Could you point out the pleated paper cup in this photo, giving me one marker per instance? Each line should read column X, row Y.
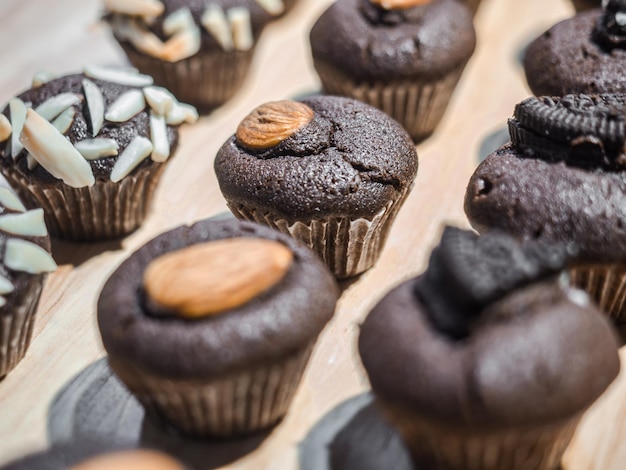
column 245, row 402
column 206, row 80
column 16, row 327
column 104, row 211
column 418, row 105
column 606, row 285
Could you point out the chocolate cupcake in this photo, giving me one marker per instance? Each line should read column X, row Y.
column 489, row 359
column 24, row 263
column 90, row 148
column 563, row 179
column 403, row 57
column 329, row 171
column 583, row 54
column 211, row 326
column 201, row 51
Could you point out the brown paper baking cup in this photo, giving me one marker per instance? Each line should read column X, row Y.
column 103, row 211
column 16, row 327
column 205, row 80
column 606, row 285
column 245, row 402
column 435, row 446
column 417, row 105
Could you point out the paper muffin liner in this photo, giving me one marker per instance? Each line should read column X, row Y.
column 606, row 285
column 348, row 246
column 103, row 211
column 245, row 402
column 16, row 328
column 435, row 446
column 417, row 105
column 205, row 80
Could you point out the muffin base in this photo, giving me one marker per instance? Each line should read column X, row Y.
column 417, row 105
column 16, row 329
column 606, row 285
column 104, row 211
column 245, row 402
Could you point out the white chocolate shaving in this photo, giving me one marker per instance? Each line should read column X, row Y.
column 6, row 286
column 17, row 109
column 21, row 255
column 65, row 120
column 273, row 7
column 95, row 103
column 27, row 224
column 127, row 105
column 10, row 200
column 136, row 152
column 130, row 30
column 31, row 163
column 158, row 135
column 135, row 7
column 120, row 76
column 54, row 106
column 160, row 99
column 5, row 128
column 182, row 45
column 239, row 19
column 180, row 20
column 215, row 22
column 42, row 77
column 3, row 301
column 94, row 149
column 181, row 112
column 54, row 152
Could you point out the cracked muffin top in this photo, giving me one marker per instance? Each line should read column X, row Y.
column 324, row 155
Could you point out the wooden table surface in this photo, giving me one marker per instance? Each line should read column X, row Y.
column 64, row 35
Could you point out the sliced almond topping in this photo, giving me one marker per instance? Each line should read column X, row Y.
column 399, row 4
column 95, row 103
column 54, row 106
column 135, row 7
column 273, row 7
column 128, row 29
column 215, row 22
column 271, row 123
column 93, row 149
column 31, row 163
column 213, row 277
column 159, row 99
column 6, row 286
column 121, row 76
column 65, row 120
column 42, row 77
column 27, row 224
column 136, row 152
column 129, row 460
column 181, row 112
column 21, row 255
column 10, row 200
column 180, row 20
column 54, row 152
column 17, row 108
column 239, row 19
column 126, row 106
column 182, row 45
column 158, row 134
column 5, row 128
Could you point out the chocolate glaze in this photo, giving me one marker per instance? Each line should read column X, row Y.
column 369, row 43
column 123, row 133
column 272, row 326
column 351, row 159
column 568, row 59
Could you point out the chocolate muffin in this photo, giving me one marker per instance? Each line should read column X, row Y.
column 563, row 179
column 329, row 171
column 404, row 58
column 200, row 50
column 24, row 263
column 90, row 148
column 488, row 359
column 583, row 54
column 211, row 326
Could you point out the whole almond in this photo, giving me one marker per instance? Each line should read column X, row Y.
column 271, row 123
column 216, row 276
column 399, row 4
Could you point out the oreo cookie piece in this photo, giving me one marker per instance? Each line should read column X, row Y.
column 610, row 30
